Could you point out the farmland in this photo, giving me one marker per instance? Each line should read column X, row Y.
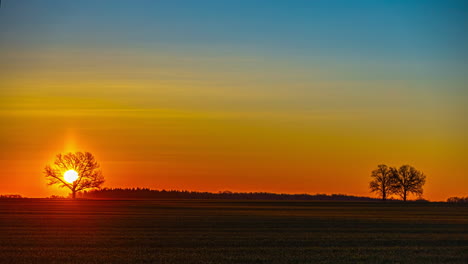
column 214, row 231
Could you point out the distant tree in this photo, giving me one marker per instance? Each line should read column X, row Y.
column 407, row 180
column 11, row 196
column 76, row 171
column 382, row 181
column 458, row 200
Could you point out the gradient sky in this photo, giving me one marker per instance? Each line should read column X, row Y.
column 277, row 96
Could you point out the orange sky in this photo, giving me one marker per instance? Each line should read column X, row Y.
column 214, row 150
column 165, row 109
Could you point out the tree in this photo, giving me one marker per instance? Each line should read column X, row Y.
column 85, row 172
column 458, row 200
column 382, row 181
column 406, row 180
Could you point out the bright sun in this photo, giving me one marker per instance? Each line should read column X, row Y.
column 70, row 176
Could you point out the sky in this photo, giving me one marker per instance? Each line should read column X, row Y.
column 248, row 95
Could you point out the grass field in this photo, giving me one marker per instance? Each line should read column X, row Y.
column 111, row 231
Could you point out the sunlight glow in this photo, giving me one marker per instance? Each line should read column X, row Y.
column 70, row 176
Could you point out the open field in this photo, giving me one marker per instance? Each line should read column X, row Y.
column 208, row 231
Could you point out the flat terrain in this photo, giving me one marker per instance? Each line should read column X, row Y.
column 178, row 231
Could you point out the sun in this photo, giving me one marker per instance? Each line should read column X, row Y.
column 70, row 176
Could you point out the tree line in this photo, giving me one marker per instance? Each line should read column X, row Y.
column 146, row 193
column 402, row 181
column 461, row 200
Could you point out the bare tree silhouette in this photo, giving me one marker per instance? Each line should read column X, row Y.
column 83, row 166
column 382, row 181
column 407, row 180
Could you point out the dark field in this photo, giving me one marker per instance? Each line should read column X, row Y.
column 93, row 231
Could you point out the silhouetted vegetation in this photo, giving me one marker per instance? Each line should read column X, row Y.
column 462, row 200
column 89, row 174
column 407, row 180
column 11, row 196
column 400, row 181
column 56, row 197
column 382, row 181
column 145, row 193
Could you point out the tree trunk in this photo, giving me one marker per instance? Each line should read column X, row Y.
column 384, row 196
column 404, row 196
column 73, row 194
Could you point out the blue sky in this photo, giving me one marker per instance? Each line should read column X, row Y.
column 381, row 29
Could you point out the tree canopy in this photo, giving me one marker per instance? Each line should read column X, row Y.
column 88, row 173
column 382, row 181
column 401, row 181
column 407, row 179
